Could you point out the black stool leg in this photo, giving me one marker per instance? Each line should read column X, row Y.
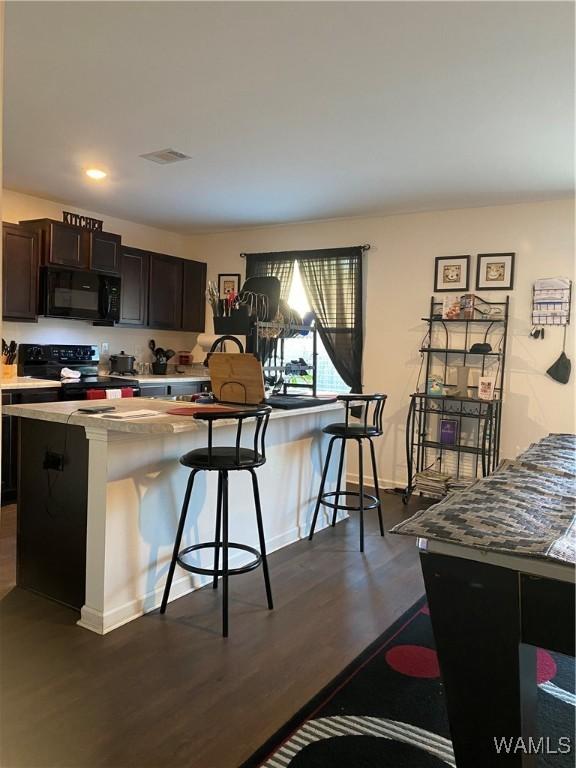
column 321, row 491
column 261, row 537
column 224, row 553
column 376, row 486
column 217, row 534
column 361, row 489
column 177, row 541
column 339, row 483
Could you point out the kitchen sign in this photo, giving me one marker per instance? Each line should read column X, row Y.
column 84, row 222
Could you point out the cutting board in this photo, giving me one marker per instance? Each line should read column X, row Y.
column 236, row 378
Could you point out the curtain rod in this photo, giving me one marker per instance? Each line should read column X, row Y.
column 365, row 247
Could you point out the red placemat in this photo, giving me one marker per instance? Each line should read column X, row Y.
column 191, row 410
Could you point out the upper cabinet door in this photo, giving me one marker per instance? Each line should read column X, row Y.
column 165, row 292
column 20, row 272
column 61, row 244
column 133, row 265
column 194, row 296
column 104, row 248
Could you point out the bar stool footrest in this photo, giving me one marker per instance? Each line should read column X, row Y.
column 211, row 571
column 370, row 502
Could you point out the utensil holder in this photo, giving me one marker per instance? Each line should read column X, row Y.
column 237, row 322
column 159, row 369
column 8, row 371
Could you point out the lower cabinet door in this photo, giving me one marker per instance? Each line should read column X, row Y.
column 154, row 390
column 191, row 388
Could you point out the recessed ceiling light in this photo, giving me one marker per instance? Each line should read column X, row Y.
column 96, row 173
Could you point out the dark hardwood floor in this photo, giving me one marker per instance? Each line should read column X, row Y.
column 168, row 688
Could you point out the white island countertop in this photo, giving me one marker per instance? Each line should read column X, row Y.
column 161, row 424
column 27, row 382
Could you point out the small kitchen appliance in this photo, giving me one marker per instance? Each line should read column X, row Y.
column 80, row 294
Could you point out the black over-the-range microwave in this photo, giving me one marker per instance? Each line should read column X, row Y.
column 80, row 294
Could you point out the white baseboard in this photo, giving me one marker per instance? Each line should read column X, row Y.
column 104, row 622
column 354, row 477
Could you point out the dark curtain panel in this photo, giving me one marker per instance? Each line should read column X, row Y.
column 272, row 265
column 333, row 282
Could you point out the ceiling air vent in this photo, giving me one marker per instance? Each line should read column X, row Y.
column 165, row 156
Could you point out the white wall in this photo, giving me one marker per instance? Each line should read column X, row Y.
column 399, row 279
column 17, row 207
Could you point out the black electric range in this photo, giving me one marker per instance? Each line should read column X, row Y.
column 46, row 361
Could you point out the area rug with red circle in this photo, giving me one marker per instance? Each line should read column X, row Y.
column 387, row 710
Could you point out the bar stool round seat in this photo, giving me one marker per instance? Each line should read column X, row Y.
column 370, row 426
column 351, row 430
column 224, row 459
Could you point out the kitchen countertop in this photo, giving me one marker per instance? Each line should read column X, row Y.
column 65, row 413
column 27, row 382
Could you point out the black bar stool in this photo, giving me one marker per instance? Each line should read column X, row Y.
column 366, row 429
column 224, row 460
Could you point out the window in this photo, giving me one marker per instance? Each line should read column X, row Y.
column 333, row 287
column 328, row 378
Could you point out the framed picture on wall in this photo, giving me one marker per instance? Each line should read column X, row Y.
column 228, row 284
column 495, row 272
column 451, row 273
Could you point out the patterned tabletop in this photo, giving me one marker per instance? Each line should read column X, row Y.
column 526, row 507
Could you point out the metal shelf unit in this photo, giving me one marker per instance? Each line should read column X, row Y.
column 478, row 421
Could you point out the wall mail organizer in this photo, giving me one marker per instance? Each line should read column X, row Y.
column 551, row 299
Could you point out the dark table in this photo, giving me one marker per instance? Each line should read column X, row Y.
column 489, row 613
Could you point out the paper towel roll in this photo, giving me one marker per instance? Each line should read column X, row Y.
column 205, row 340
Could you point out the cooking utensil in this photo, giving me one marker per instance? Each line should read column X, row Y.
column 152, row 345
column 170, row 353
column 11, row 353
column 122, row 363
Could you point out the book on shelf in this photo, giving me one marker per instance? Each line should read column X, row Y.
column 486, row 387
column 449, row 431
column 467, row 302
column 451, row 308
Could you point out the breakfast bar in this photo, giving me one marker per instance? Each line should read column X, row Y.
column 99, row 500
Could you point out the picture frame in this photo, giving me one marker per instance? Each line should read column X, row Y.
column 495, row 272
column 451, row 273
column 228, row 283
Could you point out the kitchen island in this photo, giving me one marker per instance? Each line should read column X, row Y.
column 99, row 501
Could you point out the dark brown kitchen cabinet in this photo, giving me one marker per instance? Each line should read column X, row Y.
column 165, row 292
column 193, row 295
column 60, row 244
column 134, row 268
column 20, row 248
column 9, row 443
column 104, row 251
column 10, row 435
